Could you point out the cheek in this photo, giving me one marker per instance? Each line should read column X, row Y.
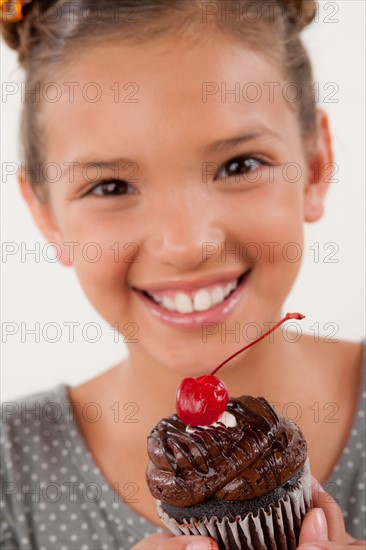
column 281, row 239
column 101, row 278
column 269, row 224
column 103, row 250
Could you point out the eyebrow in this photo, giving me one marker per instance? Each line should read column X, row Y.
column 243, row 138
column 216, row 146
column 80, row 164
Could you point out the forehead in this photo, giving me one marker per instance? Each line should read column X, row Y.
column 161, row 93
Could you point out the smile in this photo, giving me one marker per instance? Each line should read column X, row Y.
column 202, row 299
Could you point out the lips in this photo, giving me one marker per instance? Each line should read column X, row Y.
column 191, row 301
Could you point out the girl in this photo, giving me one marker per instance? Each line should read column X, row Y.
column 191, row 183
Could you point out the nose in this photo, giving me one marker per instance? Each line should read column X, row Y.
column 181, row 229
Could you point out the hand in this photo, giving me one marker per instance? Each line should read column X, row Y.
column 167, row 541
column 323, row 527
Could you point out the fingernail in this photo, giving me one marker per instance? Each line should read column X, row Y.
column 320, row 524
column 309, row 546
column 197, row 544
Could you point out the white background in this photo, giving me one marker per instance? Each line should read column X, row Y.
column 327, row 292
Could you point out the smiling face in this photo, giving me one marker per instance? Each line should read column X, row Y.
column 199, row 203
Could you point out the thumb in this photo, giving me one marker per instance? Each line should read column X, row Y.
column 166, row 541
column 314, row 527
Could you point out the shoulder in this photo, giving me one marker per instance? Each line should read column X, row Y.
column 30, row 436
column 330, row 348
column 347, row 481
column 33, row 411
column 335, row 360
column 30, row 426
column 340, row 368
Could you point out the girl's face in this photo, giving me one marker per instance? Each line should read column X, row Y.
column 204, row 196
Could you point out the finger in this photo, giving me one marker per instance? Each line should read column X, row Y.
column 333, row 513
column 314, row 527
column 166, row 541
column 152, row 541
column 189, row 543
column 317, row 545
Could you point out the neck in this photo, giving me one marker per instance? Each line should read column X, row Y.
column 266, row 369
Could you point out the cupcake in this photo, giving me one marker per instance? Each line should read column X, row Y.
column 232, row 469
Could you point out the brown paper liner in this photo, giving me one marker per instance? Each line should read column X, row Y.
column 275, row 527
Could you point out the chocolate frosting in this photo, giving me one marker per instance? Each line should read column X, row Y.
column 260, row 453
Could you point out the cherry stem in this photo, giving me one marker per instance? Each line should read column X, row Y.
column 297, row 316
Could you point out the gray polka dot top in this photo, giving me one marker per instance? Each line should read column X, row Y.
column 53, row 496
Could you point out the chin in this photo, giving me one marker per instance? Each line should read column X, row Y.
column 195, row 361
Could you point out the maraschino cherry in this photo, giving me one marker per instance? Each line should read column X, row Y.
column 201, row 401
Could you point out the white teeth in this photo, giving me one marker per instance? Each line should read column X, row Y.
column 227, row 290
column 157, row 298
column 217, row 295
column 230, row 287
column 202, row 300
column 168, row 303
column 183, row 303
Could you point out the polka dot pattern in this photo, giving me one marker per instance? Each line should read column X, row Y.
column 55, row 497
column 347, row 482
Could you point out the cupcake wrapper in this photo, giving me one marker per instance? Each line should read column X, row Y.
column 275, row 527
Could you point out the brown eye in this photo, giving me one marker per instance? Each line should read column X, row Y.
column 239, row 166
column 112, row 188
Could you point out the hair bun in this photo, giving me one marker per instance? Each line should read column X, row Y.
column 20, row 33
column 12, row 21
column 10, row 34
column 300, row 12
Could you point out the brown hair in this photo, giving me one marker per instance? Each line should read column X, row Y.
column 51, row 31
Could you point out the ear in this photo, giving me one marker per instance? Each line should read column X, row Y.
column 321, row 166
column 44, row 217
